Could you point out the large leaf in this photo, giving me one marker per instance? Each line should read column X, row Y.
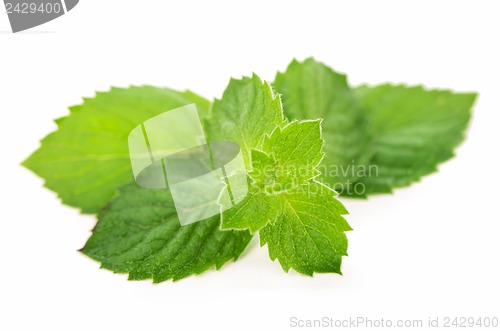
column 377, row 138
column 414, row 129
column 87, row 158
column 139, row 234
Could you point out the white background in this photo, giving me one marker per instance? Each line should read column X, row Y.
column 428, row 250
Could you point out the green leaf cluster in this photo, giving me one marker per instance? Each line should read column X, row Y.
column 305, row 138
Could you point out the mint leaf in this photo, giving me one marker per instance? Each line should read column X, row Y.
column 289, row 159
column 248, row 109
column 377, row 138
column 87, row 158
column 253, row 213
column 308, row 235
column 297, row 149
column 299, row 219
column 414, row 129
column 139, row 233
column 311, row 90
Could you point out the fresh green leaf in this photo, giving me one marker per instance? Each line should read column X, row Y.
column 311, row 90
column 297, row 149
column 377, row 138
column 139, row 234
column 299, row 219
column 308, row 235
column 253, row 213
column 289, row 159
column 414, row 129
column 247, row 111
column 87, row 158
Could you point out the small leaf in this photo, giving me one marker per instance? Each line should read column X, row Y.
column 308, row 236
column 297, row 149
column 247, row 111
column 289, row 160
column 253, row 213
